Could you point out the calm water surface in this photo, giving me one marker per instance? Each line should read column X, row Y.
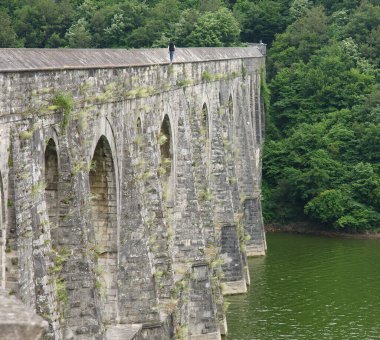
column 310, row 287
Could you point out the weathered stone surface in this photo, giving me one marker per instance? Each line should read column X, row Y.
column 16, row 59
column 128, row 185
column 17, row 322
column 125, row 332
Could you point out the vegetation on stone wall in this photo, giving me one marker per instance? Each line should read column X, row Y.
column 321, row 157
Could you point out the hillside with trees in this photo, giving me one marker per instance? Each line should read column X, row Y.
column 322, row 150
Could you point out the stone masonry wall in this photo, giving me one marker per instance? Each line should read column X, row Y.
column 130, row 188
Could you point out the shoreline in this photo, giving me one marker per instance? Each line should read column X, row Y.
column 310, row 229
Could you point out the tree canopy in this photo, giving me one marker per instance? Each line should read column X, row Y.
column 321, row 157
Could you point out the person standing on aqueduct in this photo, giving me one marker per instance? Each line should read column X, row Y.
column 171, row 49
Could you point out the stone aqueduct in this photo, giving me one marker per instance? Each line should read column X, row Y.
column 130, row 188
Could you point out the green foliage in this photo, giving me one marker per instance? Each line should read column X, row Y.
column 184, row 82
column 43, row 23
column 319, row 168
column 78, row 35
column 8, row 36
column 321, row 160
column 162, row 138
column 261, row 20
column 181, row 332
column 298, row 8
column 328, row 206
column 184, row 26
column 215, row 29
column 26, row 134
column 301, row 39
column 207, row 76
column 65, row 104
column 331, row 80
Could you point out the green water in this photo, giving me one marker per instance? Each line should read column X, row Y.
column 310, row 287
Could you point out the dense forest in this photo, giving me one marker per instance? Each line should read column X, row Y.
column 322, row 150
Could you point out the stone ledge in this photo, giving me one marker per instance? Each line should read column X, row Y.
column 223, row 326
column 234, row 287
column 124, row 332
column 255, row 252
column 17, row 321
column 208, row 336
column 33, row 59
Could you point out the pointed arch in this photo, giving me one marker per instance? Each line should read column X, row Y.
column 51, row 189
column 138, row 136
column 139, row 126
column 166, row 149
column 230, row 107
column 205, row 128
column 104, row 219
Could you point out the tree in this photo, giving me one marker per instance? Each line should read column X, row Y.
column 301, row 40
column 364, row 27
column 298, row 8
column 215, row 29
column 261, row 20
column 185, row 26
column 332, row 80
column 38, row 21
column 158, row 22
column 8, row 36
column 78, row 35
column 328, row 206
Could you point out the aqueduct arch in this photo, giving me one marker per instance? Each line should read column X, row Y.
column 103, row 209
column 51, row 189
column 166, row 151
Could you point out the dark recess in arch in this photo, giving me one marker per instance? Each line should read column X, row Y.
column 51, row 189
column 104, row 218
column 165, row 141
column 204, row 120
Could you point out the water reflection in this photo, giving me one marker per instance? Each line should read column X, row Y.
column 310, row 287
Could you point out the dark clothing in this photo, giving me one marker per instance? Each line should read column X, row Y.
column 171, row 51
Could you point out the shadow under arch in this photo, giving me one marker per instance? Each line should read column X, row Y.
column 205, row 126
column 104, row 129
column 165, row 140
column 103, row 204
column 51, row 168
column 139, row 126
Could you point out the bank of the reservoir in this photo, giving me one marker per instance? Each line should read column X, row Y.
column 319, row 230
column 310, row 287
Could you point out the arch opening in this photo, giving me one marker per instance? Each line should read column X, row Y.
column 104, row 218
column 51, row 189
column 138, row 138
column 139, row 127
column 204, row 122
column 230, row 107
column 166, row 151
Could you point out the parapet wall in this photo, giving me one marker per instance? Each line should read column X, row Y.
column 130, row 188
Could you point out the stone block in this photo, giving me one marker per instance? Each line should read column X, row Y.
column 18, row 322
